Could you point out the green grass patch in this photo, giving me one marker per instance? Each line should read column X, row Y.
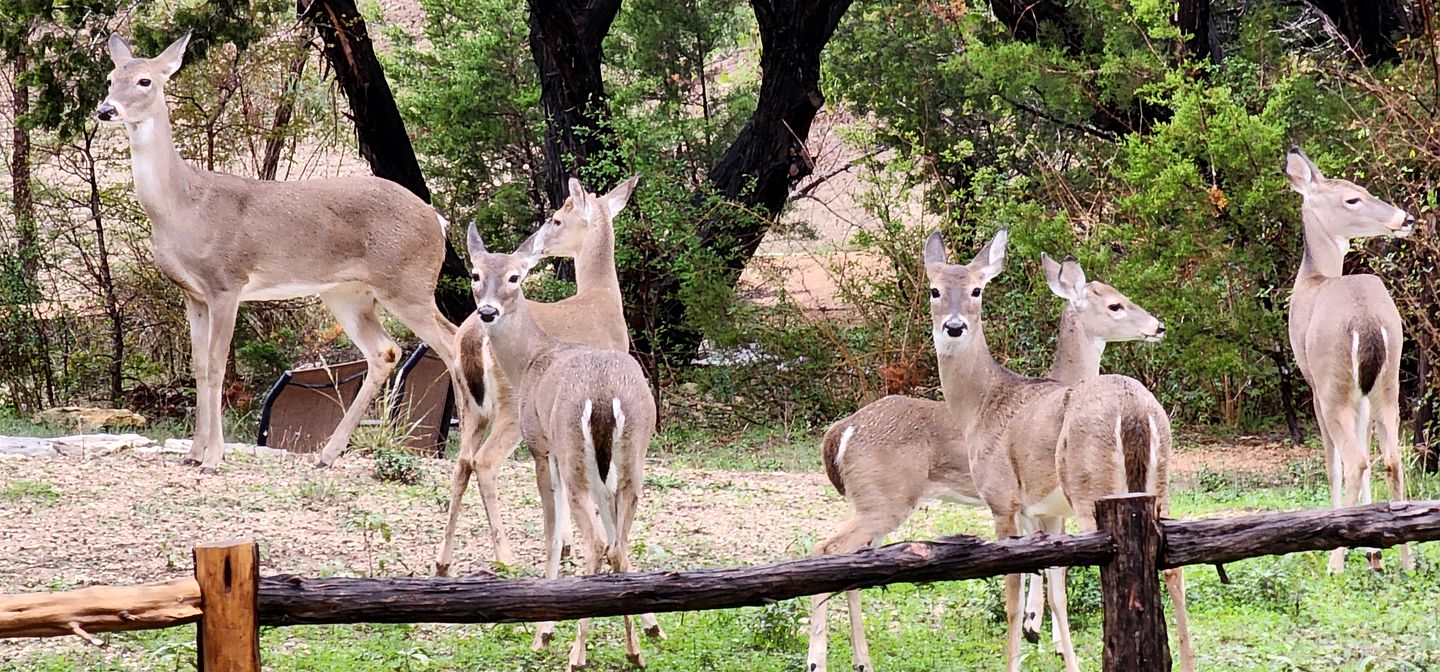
column 34, row 493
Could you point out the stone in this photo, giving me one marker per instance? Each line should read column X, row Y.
column 88, row 418
column 25, row 446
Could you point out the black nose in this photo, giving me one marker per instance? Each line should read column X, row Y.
column 1160, row 330
column 1409, row 221
column 954, row 328
column 105, row 113
column 488, row 313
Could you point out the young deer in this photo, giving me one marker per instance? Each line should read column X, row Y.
column 357, row 242
column 1347, row 333
column 586, row 413
column 593, row 316
column 897, row 452
column 1012, row 429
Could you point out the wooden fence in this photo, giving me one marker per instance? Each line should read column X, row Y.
column 230, row 600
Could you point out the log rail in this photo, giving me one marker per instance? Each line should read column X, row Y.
column 1128, row 550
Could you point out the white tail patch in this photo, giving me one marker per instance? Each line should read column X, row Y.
column 612, row 479
column 1122, row 485
column 1154, row 463
column 844, row 441
column 444, row 223
column 1355, row 356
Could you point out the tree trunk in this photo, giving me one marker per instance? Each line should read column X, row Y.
column 284, row 112
column 1026, row 18
column 103, row 277
column 566, row 37
column 1371, row 26
column 378, row 127
column 757, row 171
column 1201, row 40
column 27, row 241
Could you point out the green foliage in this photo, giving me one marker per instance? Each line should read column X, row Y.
column 34, row 493
column 396, row 464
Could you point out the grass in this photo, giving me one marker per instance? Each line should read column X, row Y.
column 33, row 493
column 1278, row 613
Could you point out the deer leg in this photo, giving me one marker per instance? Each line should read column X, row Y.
column 223, row 309
column 1175, row 585
column 357, row 313
column 592, row 536
column 548, row 478
column 853, row 535
column 197, row 314
column 1387, row 428
column 1059, row 602
column 472, row 425
column 1005, row 527
column 627, row 502
column 1035, row 595
column 501, row 443
column 1351, row 463
column 1332, row 461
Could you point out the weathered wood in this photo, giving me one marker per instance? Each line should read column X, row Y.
column 101, row 609
column 1222, row 540
column 1135, row 639
column 229, row 634
column 289, row 600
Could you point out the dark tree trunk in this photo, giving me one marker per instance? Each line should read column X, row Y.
column 378, row 126
column 104, row 279
column 27, row 235
column 1201, row 40
column 758, row 170
column 1287, row 395
column 565, row 40
column 1371, row 26
column 1028, row 19
column 1425, row 410
column 284, row 113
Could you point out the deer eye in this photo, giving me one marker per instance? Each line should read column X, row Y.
column 515, row 278
column 1352, row 201
column 975, row 292
column 556, row 222
column 475, row 277
column 934, row 293
column 1115, row 307
column 143, row 82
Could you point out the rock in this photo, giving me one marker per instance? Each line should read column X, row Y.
column 25, row 446
column 100, row 443
column 182, row 446
column 87, row 418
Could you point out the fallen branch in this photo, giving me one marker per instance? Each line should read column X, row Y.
column 87, row 611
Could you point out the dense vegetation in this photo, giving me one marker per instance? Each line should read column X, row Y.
column 1143, row 137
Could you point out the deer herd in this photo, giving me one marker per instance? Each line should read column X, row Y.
column 1034, row 451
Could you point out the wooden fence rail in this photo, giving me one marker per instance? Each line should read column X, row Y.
column 231, row 601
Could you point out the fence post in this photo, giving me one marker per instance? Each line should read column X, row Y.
column 228, row 636
column 1135, row 637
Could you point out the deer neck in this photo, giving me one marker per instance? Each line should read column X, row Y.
column 1324, row 254
column 160, row 174
column 595, row 272
column 968, row 376
column 518, row 340
column 1077, row 354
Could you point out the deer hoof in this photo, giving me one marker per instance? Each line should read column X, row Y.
column 322, row 465
column 208, row 471
column 189, row 462
column 654, row 632
column 636, row 660
column 1374, row 557
column 1032, row 635
column 442, row 570
column 542, row 640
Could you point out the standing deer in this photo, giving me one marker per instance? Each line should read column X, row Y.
column 586, row 413
column 898, row 452
column 1019, row 432
column 1346, row 333
column 593, row 316
column 357, row 242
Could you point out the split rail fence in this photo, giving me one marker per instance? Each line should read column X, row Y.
column 230, row 600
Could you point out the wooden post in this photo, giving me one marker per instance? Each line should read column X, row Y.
column 1135, row 637
column 228, row 637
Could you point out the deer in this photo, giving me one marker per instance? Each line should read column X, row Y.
column 1033, row 442
column 586, row 413
column 898, row 452
column 592, row 316
column 359, row 243
column 1347, row 336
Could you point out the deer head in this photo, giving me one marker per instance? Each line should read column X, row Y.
column 955, row 289
column 566, row 230
column 1341, row 208
column 137, row 85
column 1104, row 312
column 496, row 279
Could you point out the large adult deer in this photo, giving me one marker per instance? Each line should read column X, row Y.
column 898, row 452
column 1017, row 430
column 1347, row 333
column 585, row 412
column 592, row 316
column 357, row 242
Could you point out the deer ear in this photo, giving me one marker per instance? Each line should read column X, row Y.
column 174, row 55
column 991, row 259
column 119, row 50
column 1301, row 171
column 473, row 244
column 934, row 249
column 576, row 190
column 533, row 249
column 1052, row 275
column 617, row 198
column 1072, row 278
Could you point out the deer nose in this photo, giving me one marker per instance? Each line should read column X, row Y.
column 954, row 328
column 488, row 313
column 105, row 112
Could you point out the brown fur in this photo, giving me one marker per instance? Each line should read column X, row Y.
column 1371, row 353
column 602, row 434
column 831, row 448
column 1135, row 442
